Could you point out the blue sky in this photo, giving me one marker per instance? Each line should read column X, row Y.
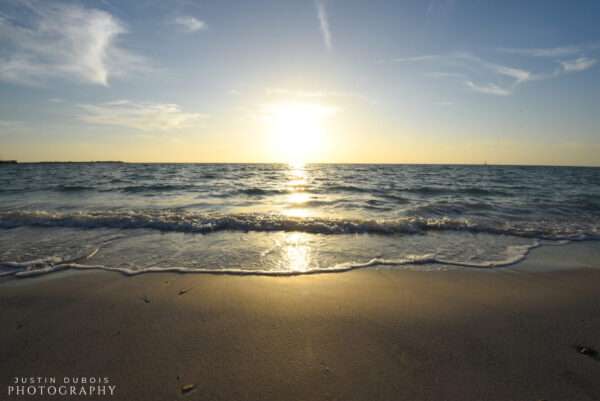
column 377, row 81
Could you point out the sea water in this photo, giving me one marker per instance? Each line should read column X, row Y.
column 280, row 219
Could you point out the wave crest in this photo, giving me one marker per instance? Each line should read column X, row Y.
column 179, row 221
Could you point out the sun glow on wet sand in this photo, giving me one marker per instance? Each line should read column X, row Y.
column 296, row 252
column 297, row 131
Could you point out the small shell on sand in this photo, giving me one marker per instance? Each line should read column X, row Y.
column 186, row 388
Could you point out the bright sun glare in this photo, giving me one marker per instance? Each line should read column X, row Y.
column 297, row 131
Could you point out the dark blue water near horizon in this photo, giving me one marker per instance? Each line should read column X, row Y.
column 276, row 218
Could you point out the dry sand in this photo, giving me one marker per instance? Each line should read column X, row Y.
column 374, row 334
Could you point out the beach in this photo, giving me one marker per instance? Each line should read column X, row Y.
column 299, row 200
column 369, row 334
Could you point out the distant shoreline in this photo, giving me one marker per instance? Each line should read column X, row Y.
column 65, row 162
column 13, row 162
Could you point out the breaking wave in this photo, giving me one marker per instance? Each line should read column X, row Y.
column 181, row 221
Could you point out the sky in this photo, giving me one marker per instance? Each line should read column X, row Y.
column 440, row 81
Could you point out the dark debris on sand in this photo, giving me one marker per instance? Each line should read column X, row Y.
column 184, row 291
column 587, row 351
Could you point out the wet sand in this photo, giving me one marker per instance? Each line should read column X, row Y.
column 372, row 334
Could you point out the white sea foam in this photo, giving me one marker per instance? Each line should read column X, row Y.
column 54, row 264
column 181, row 221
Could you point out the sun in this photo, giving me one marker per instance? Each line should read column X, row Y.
column 297, row 131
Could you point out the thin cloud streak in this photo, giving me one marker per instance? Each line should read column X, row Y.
column 145, row 116
column 416, row 59
column 489, row 89
column 471, row 62
column 578, row 65
column 324, row 24
column 517, row 74
column 8, row 125
column 190, row 24
column 561, row 51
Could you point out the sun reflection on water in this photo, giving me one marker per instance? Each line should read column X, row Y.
column 295, row 203
column 298, row 212
column 296, row 249
column 298, row 198
column 296, row 254
column 297, row 176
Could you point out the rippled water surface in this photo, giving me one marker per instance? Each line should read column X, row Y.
column 279, row 219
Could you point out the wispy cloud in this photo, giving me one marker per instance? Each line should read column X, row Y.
column 439, row 6
column 518, row 74
column 577, row 65
column 9, row 124
column 471, row 63
column 8, row 127
column 324, row 23
column 64, row 41
column 516, row 77
column 158, row 117
column 552, row 52
column 322, row 94
column 190, row 24
column 416, row 59
column 503, row 79
column 489, row 89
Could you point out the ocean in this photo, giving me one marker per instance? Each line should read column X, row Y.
column 278, row 219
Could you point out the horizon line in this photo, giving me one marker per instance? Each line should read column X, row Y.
column 484, row 164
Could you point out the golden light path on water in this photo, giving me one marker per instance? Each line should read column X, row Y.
column 297, row 198
column 297, row 251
